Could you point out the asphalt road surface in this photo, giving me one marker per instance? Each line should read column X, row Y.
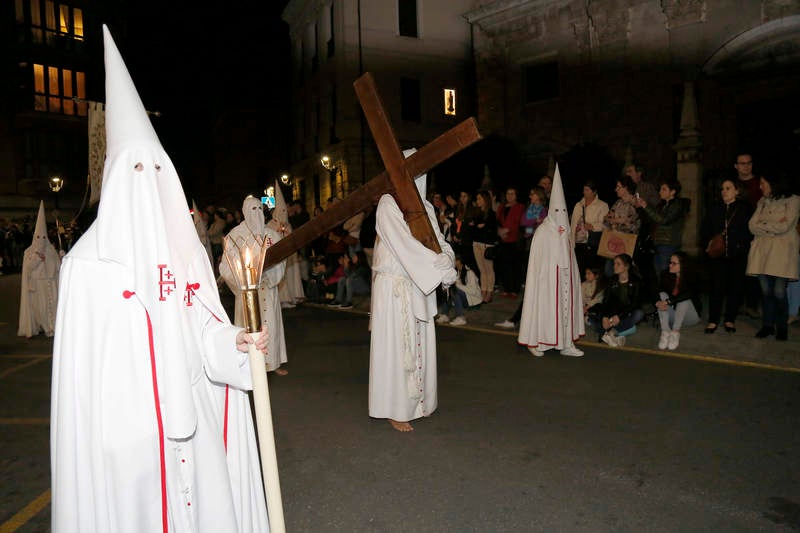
column 613, row 441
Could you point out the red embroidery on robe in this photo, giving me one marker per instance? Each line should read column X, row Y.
column 166, row 282
column 190, row 291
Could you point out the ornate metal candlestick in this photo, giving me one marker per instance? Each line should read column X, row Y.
column 246, row 261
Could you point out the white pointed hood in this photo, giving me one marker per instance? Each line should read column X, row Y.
column 557, row 209
column 40, row 240
column 420, row 181
column 253, row 212
column 281, row 211
column 143, row 224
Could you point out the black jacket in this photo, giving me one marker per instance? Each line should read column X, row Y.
column 622, row 299
column 738, row 237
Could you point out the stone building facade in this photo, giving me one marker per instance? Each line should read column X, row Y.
column 596, row 83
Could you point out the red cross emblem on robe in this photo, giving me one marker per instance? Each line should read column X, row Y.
column 166, row 282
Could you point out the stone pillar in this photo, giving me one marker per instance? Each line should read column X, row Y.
column 690, row 169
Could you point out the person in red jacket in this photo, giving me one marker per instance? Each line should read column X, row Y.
column 509, row 259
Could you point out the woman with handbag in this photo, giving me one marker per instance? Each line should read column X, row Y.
column 484, row 236
column 725, row 229
column 587, row 225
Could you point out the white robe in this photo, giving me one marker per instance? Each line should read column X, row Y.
column 290, row 289
column 39, row 292
column 552, row 308
column 268, row 297
column 402, row 369
column 110, row 449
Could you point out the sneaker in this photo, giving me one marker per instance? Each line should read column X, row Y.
column 443, row 319
column 535, row 352
column 459, row 321
column 572, row 351
column 334, row 304
column 664, row 339
column 287, row 305
column 346, row 306
column 610, row 339
column 674, row 339
column 505, row 324
column 621, row 341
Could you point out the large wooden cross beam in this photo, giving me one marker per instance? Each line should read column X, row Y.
column 397, row 179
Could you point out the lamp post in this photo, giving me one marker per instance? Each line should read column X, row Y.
column 333, row 171
column 246, row 261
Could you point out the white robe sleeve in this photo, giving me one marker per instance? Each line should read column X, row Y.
column 413, row 256
column 223, row 363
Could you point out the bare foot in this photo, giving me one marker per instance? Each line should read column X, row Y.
column 281, row 371
column 404, row 427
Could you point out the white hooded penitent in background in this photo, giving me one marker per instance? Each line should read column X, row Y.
column 552, row 309
column 151, row 428
column 271, row 316
column 402, row 362
column 290, row 289
column 38, row 299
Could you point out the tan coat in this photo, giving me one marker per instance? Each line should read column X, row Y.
column 776, row 244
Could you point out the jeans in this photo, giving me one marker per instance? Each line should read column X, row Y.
column 350, row 286
column 626, row 323
column 683, row 314
column 775, row 306
column 457, row 299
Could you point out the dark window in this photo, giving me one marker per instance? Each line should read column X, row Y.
column 334, row 116
column 332, row 40
column 541, row 82
column 407, row 18
column 410, row 108
column 315, row 57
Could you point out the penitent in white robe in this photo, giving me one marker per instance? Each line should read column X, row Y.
column 39, row 290
column 552, row 309
column 114, row 463
column 290, row 288
column 268, row 297
column 402, row 369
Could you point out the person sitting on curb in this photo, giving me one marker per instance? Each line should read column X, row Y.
column 356, row 280
column 465, row 293
column 675, row 306
column 621, row 308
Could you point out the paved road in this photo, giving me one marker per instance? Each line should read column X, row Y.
column 614, row 441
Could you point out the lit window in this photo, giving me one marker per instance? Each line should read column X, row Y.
column 450, row 102
column 56, row 90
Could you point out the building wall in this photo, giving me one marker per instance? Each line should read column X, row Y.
column 621, row 68
column 369, row 42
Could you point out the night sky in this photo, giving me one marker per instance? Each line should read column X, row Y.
column 197, row 63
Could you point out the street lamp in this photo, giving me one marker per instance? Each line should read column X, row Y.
column 56, row 183
column 326, row 162
column 285, row 179
column 335, row 172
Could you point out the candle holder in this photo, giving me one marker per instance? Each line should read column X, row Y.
column 245, row 257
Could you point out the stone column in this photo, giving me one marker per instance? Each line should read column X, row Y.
column 690, row 169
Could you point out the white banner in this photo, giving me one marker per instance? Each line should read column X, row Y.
column 97, row 148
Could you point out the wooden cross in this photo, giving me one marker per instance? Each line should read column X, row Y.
column 397, row 179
